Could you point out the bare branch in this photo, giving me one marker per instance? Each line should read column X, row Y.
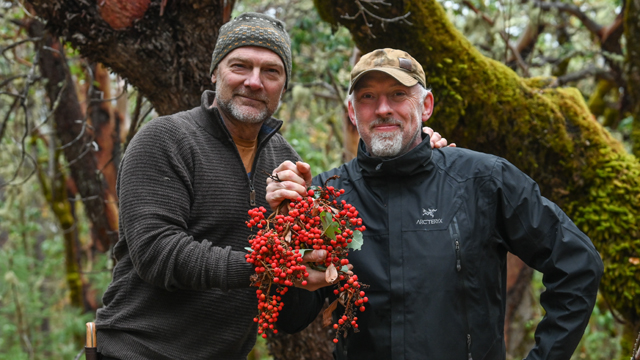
column 134, row 122
column 6, row 118
column 484, row 16
column 364, row 12
column 504, row 36
column 18, row 43
column 574, row 10
column 8, row 80
column 579, row 75
column 516, row 53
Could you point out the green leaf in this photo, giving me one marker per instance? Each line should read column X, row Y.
column 249, row 249
column 304, row 251
column 344, row 268
column 316, row 191
column 357, row 241
column 329, row 227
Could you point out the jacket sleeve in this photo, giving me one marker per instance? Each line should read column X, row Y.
column 300, row 308
column 155, row 188
column 543, row 236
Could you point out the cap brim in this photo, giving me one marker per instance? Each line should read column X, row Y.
column 404, row 78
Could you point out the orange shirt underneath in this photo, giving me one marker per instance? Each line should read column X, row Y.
column 247, row 150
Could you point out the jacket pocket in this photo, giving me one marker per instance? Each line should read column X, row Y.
column 454, row 231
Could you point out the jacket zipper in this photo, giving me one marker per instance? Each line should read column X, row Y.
column 454, row 231
column 252, row 195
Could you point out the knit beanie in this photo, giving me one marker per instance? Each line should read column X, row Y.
column 253, row 29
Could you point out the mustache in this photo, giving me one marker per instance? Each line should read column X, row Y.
column 253, row 95
column 386, row 121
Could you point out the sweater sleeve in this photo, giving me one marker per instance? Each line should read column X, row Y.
column 155, row 188
column 543, row 236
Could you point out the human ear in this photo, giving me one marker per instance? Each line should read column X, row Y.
column 428, row 107
column 352, row 114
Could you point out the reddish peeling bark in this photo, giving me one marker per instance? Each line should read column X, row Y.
column 166, row 56
column 120, row 14
column 73, row 134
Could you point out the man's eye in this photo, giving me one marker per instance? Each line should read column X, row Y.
column 400, row 93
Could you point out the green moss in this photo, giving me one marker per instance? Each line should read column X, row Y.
column 596, row 102
column 547, row 132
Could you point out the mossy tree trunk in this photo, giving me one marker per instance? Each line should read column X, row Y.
column 547, row 132
column 632, row 34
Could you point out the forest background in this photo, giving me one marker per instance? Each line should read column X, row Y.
column 553, row 86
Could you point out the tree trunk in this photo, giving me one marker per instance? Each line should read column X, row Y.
column 632, row 34
column 73, row 133
column 164, row 51
column 547, row 132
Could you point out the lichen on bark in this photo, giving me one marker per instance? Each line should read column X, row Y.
column 545, row 131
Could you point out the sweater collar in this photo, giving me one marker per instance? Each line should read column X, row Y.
column 415, row 161
column 213, row 124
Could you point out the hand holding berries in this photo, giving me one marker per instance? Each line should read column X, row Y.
column 316, row 222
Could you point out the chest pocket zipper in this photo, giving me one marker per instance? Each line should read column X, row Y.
column 454, row 231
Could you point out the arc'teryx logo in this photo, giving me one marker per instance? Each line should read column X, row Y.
column 430, row 212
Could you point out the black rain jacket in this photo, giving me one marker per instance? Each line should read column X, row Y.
column 439, row 226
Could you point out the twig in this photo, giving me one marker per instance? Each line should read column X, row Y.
column 11, row 78
column 364, row 12
column 484, row 16
column 272, row 177
column 579, row 75
column 504, row 36
column 84, row 127
column 134, row 122
column 515, row 52
column 574, row 10
column 18, row 43
column 3, row 127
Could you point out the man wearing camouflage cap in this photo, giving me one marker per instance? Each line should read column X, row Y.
column 181, row 287
column 439, row 225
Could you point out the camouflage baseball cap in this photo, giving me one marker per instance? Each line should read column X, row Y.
column 396, row 63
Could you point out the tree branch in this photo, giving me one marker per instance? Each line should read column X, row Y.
column 364, row 12
column 574, row 10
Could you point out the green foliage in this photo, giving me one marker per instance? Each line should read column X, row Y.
column 35, row 316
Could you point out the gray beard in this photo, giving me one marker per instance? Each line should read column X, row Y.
column 386, row 145
column 237, row 113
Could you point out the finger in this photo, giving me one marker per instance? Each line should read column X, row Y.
column 279, row 191
column 291, row 176
column 314, row 256
column 304, row 170
column 452, row 145
column 287, row 165
column 441, row 143
column 427, row 130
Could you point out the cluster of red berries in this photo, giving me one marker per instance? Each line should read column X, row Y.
column 317, row 222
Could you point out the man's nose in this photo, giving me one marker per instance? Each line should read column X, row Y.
column 254, row 81
column 383, row 109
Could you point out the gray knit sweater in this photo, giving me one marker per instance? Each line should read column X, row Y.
column 180, row 289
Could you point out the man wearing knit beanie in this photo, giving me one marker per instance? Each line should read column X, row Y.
column 181, row 287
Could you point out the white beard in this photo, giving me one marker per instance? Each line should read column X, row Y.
column 386, row 145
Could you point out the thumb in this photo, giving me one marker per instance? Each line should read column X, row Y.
column 315, row 255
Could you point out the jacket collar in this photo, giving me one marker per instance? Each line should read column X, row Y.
column 415, row 161
column 213, row 124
